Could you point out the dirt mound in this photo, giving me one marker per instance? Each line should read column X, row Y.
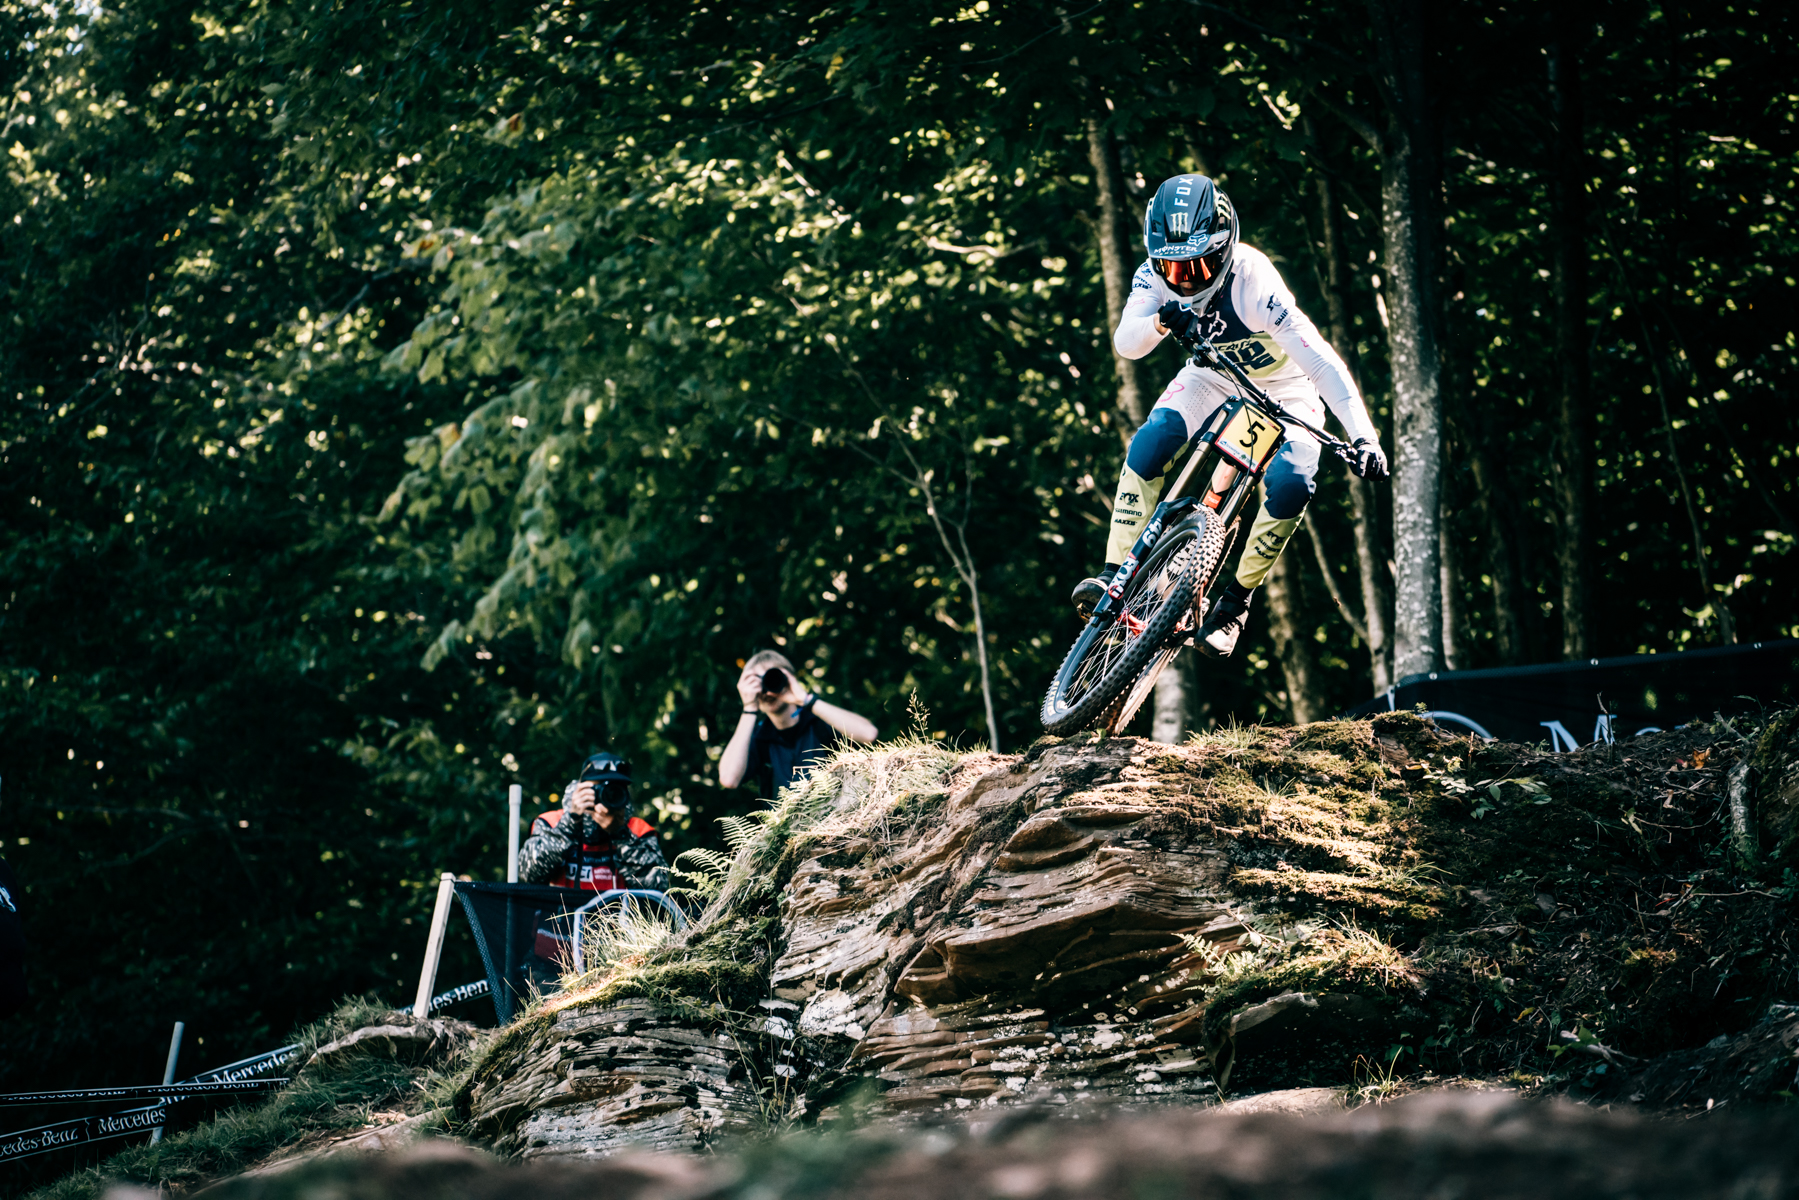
column 1341, row 912
column 1358, row 905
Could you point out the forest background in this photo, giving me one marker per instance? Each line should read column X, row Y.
column 404, row 399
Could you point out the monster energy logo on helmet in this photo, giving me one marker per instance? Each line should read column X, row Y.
column 1190, row 233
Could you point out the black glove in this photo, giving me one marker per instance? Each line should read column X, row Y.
column 1177, row 320
column 1370, row 461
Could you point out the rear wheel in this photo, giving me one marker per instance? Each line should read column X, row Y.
column 1110, row 655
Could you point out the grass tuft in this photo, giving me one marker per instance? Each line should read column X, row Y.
column 321, row 1102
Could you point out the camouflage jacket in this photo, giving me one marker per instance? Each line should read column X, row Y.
column 567, row 850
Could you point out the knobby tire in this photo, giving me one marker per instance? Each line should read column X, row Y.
column 1212, row 545
column 1108, row 656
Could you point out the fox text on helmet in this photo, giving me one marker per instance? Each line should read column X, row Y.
column 1190, row 235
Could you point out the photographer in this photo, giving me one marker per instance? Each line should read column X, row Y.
column 783, row 729
column 592, row 842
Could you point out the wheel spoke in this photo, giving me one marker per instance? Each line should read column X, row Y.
column 1108, row 672
column 1140, row 609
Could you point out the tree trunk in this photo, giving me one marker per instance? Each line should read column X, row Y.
column 1371, row 564
column 1471, row 426
column 1450, row 583
column 1726, row 626
column 1115, row 268
column 1290, row 645
column 1168, row 715
column 1370, row 560
column 1114, row 264
column 1574, row 417
column 1410, row 177
column 1490, row 493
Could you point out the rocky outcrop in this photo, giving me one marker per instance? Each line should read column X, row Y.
column 1117, row 920
column 1042, row 936
column 1040, row 930
column 403, row 1038
column 594, row 1080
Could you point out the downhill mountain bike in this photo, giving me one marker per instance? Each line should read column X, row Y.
column 1156, row 599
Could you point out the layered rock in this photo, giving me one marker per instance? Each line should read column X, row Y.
column 590, row 1081
column 1034, row 940
column 1038, row 930
column 1123, row 921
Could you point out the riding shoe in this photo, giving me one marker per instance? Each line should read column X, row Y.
column 1217, row 638
column 1089, row 592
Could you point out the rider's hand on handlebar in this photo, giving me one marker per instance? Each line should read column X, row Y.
column 1370, row 461
column 1177, row 320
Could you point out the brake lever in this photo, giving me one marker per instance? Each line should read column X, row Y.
column 1201, row 352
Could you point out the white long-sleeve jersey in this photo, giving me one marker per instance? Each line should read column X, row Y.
column 1254, row 321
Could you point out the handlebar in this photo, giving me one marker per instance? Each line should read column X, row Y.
column 1204, row 354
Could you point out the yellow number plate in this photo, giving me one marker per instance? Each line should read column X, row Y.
column 1250, row 438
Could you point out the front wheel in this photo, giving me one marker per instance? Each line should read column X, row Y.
column 1110, row 655
column 1213, row 540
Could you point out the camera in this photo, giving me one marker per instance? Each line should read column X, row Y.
column 611, row 779
column 774, row 681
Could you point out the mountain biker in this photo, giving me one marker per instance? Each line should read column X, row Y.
column 1199, row 276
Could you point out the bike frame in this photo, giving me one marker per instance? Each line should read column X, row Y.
column 1233, row 469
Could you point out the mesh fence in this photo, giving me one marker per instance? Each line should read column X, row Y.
column 529, row 936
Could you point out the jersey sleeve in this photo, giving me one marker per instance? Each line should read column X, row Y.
column 1136, row 334
column 1268, row 307
column 641, row 861
column 540, row 858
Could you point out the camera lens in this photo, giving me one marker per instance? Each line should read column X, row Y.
column 774, row 681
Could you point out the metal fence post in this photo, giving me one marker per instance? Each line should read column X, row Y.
column 168, row 1071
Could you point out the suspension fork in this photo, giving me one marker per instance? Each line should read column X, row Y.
column 1167, row 513
column 1224, row 473
column 1227, row 484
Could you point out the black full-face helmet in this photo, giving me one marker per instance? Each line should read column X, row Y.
column 1190, row 231
column 611, row 778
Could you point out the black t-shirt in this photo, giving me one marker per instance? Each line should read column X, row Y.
column 779, row 756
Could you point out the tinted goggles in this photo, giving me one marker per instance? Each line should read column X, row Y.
column 1192, row 272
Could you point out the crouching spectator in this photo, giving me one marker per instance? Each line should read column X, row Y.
column 593, row 842
column 783, row 730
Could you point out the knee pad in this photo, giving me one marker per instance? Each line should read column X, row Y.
column 1156, row 443
column 1291, row 481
